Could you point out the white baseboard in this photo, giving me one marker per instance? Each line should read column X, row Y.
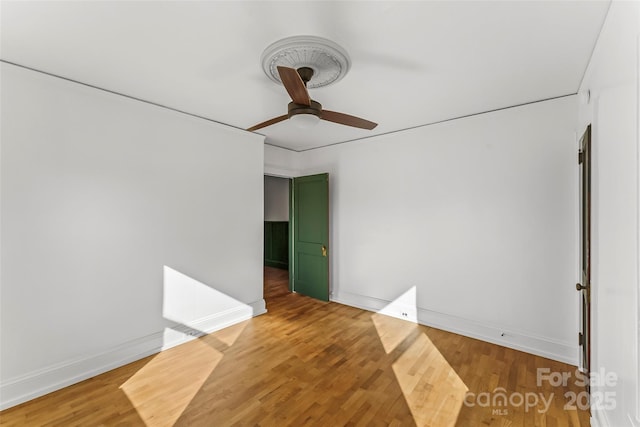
column 599, row 418
column 539, row 346
column 38, row 383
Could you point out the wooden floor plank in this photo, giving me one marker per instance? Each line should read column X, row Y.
column 308, row 362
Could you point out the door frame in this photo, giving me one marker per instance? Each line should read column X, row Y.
column 584, row 285
column 290, row 175
column 291, row 236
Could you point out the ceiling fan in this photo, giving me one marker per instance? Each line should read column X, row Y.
column 302, row 106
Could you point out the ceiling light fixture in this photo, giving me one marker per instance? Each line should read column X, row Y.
column 303, row 62
column 305, row 116
column 305, row 121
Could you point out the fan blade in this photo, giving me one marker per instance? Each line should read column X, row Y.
column 346, row 119
column 268, row 123
column 294, row 85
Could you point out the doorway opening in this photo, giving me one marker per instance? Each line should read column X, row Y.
column 296, row 233
column 276, row 236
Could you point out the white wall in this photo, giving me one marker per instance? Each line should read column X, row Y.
column 101, row 197
column 476, row 217
column 280, row 162
column 612, row 80
column 276, row 199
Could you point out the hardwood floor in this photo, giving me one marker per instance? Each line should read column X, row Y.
column 308, row 362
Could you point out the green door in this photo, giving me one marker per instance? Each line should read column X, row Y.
column 309, row 270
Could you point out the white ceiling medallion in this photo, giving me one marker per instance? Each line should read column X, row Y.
column 328, row 60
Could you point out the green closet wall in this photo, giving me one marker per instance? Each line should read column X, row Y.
column 276, row 244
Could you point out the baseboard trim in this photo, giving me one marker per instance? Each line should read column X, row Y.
column 43, row 381
column 599, row 417
column 539, row 346
column 276, row 264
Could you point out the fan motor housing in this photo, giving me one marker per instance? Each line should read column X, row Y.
column 315, row 108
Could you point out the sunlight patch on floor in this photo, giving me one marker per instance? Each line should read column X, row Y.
column 230, row 334
column 433, row 390
column 392, row 331
column 164, row 387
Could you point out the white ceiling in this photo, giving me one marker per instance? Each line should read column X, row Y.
column 413, row 63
